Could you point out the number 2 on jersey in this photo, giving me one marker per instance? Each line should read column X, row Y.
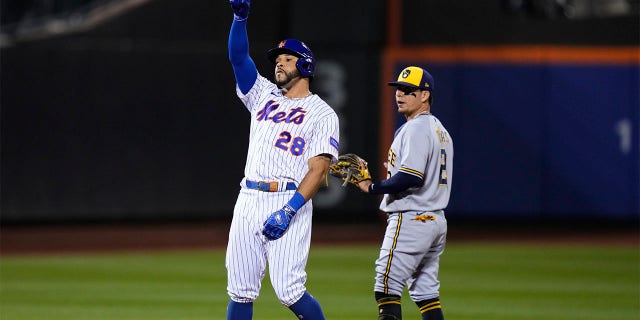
column 296, row 147
column 443, row 167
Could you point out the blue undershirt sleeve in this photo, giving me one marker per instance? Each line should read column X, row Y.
column 243, row 66
column 397, row 183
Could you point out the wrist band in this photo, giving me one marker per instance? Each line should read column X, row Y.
column 238, row 18
column 297, row 201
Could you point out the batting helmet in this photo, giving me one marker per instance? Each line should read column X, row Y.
column 306, row 63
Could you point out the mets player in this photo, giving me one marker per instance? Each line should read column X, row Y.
column 416, row 192
column 293, row 139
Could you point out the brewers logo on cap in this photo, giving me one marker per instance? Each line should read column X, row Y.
column 414, row 77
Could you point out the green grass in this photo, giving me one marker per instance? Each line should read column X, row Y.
column 479, row 281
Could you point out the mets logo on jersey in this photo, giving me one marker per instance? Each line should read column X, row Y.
column 295, row 115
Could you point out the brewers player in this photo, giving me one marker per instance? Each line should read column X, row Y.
column 293, row 139
column 416, row 193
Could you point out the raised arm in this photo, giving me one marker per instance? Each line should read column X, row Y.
column 243, row 66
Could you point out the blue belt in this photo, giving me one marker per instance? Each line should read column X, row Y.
column 269, row 186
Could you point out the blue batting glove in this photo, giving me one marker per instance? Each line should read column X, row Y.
column 277, row 224
column 240, row 9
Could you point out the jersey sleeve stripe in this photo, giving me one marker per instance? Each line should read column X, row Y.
column 413, row 172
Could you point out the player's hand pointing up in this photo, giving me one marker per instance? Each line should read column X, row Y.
column 240, row 8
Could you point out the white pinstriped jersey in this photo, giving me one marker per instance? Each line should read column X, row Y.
column 283, row 130
column 421, row 147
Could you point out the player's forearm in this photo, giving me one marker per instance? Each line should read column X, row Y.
column 244, row 68
column 315, row 177
column 238, row 42
column 397, row 183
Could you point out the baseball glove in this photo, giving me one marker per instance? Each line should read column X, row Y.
column 351, row 169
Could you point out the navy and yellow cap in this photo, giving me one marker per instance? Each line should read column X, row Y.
column 414, row 77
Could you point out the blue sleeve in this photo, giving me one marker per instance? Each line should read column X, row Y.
column 397, row 183
column 243, row 66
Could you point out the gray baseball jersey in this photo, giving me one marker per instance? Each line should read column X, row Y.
column 421, row 147
column 416, row 227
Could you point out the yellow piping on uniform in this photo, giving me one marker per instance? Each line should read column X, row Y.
column 393, row 247
column 430, row 306
column 411, row 171
column 389, row 302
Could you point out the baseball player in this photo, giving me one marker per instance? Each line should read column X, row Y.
column 416, row 192
column 293, row 139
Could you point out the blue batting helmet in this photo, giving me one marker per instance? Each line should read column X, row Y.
column 306, row 63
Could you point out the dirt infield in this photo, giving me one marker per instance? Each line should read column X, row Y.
column 106, row 237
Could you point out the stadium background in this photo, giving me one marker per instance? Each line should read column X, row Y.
column 125, row 110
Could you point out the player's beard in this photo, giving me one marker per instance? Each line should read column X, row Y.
column 287, row 81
